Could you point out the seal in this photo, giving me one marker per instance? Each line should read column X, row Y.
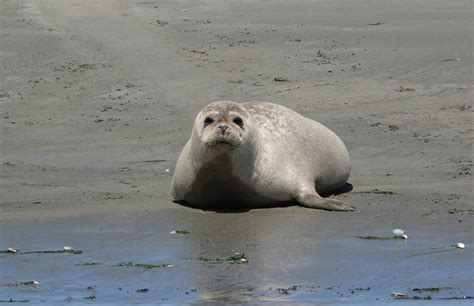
column 259, row 154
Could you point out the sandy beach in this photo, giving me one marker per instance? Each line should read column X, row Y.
column 97, row 98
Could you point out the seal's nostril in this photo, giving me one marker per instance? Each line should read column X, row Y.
column 223, row 128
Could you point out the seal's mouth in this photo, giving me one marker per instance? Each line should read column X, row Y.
column 222, row 142
column 218, row 143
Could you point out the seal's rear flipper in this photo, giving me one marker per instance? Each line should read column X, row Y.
column 316, row 202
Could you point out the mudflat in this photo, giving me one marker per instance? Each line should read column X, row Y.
column 97, row 98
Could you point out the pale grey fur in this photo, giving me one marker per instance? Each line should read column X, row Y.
column 283, row 157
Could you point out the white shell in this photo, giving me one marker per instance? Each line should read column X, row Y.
column 67, row 248
column 398, row 232
column 36, row 283
column 460, row 245
column 12, row 250
column 398, row 295
column 173, row 232
column 167, row 170
column 404, row 236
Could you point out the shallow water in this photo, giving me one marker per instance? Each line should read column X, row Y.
column 294, row 254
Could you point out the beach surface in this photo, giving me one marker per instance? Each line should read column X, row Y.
column 97, row 98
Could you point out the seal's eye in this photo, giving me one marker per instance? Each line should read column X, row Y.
column 208, row 121
column 238, row 121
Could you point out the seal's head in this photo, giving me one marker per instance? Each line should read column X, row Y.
column 222, row 127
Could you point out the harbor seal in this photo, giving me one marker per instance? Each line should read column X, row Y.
column 259, row 154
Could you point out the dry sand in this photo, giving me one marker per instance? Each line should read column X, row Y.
column 98, row 97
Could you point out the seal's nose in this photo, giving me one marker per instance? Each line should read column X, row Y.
column 223, row 128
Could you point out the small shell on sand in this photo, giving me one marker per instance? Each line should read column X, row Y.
column 398, row 232
column 398, row 295
column 460, row 245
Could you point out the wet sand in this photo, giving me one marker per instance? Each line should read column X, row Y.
column 98, row 98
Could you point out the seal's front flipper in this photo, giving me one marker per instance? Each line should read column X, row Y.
column 316, row 202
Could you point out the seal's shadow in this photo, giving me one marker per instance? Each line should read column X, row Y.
column 228, row 210
column 222, row 211
column 344, row 189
